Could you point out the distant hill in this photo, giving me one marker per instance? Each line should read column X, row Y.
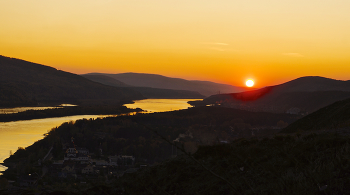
column 302, row 95
column 314, row 83
column 147, row 92
column 205, row 88
column 336, row 115
column 26, row 83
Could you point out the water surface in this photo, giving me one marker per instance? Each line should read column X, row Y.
column 161, row 105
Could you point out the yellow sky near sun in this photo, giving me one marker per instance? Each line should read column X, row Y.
column 226, row 41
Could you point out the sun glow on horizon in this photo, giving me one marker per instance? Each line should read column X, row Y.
column 209, row 40
column 249, row 83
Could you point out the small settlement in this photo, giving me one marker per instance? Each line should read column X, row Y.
column 78, row 166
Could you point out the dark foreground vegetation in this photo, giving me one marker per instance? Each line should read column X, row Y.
column 66, row 111
column 313, row 164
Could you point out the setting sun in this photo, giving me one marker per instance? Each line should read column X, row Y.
column 249, row 83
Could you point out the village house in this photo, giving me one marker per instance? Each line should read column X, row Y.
column 77, row 154
column 82, row 151
column 88, row 169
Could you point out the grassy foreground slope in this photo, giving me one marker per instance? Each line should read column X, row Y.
column 336, row 115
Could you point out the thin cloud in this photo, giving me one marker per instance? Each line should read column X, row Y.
column 293, row 54
column 215, row 43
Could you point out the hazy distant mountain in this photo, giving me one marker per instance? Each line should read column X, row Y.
column 147, row 92
column 336, row 115
column 302, row 95
column 158, row 81
column 157, row 93
column 26, row 83
column 106, row 80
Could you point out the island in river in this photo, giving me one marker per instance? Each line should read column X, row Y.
column 67, row 111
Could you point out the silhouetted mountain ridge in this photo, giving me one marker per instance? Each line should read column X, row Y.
column 148, row 92
column 205, row 88
column 36, row 83
column 106, row 80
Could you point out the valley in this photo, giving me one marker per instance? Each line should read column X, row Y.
column 153, row 132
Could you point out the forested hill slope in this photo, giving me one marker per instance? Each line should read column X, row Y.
column 27, row 83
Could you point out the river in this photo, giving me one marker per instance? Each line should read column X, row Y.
column 161, row 105
column 25, row 133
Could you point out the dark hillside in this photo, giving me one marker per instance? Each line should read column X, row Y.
column 10, row 96
column 34, row 83
column 336, row 115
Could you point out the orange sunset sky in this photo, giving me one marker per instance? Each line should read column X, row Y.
column 226, row 41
